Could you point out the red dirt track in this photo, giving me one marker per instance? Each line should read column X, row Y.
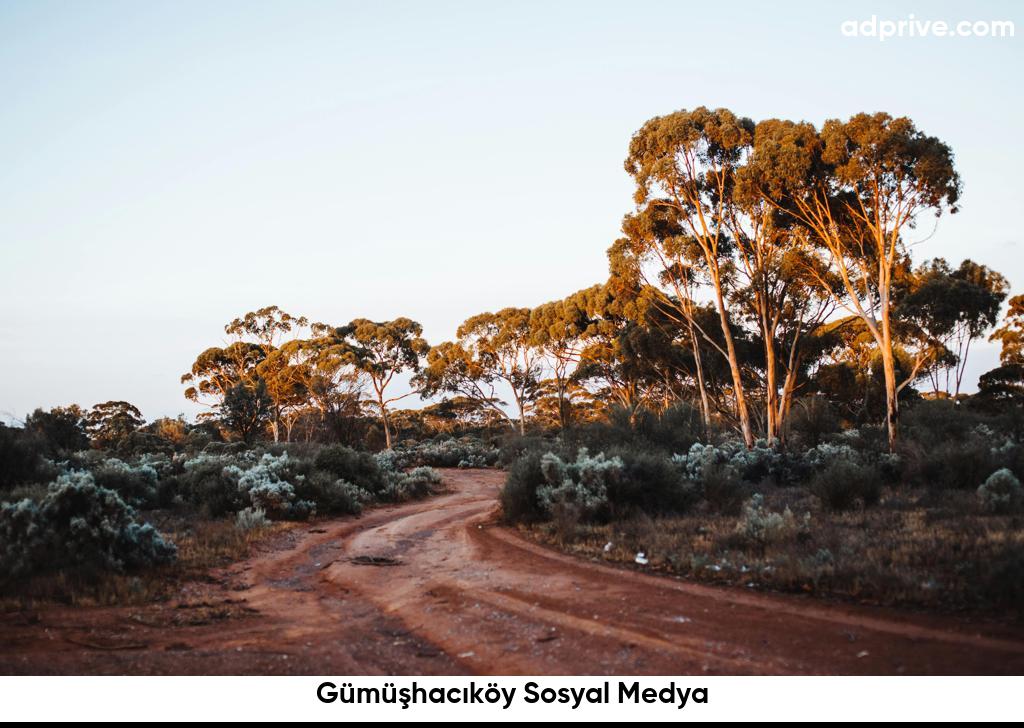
column 442, row 589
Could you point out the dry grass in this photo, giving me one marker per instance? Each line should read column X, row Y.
column 926, row 549
column 203, row 544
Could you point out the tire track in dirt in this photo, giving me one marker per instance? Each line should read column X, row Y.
column 504, row 605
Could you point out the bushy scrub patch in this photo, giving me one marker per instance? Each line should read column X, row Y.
column 417, row 483
column 519, row 503
column 268, row 486
column 136, row 484
column 651, row 483
column 580, row 485
column 763, row 462
column 842, row 483
column 20, row 459
column 77, row 524
column 251, row 519
column 354, row 466
column 464, row 452
column 760, row 526
column 1001, row 493
column 210, row 484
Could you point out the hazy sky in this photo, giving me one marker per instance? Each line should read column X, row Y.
column 167, row 166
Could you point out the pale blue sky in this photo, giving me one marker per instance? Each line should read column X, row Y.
column 165, row 167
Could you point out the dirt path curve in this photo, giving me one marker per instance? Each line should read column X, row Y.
column 436, row 587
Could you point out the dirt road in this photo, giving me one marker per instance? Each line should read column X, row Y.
column 436, row 587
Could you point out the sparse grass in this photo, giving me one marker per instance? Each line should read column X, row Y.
column 937, row 550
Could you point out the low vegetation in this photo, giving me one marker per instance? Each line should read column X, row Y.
column 838, row 519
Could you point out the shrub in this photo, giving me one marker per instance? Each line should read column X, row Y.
column 333, row 496
column 251, row 519
column 78, row 524
column 651, row 483
column 360, row 468
column 753, row 465
column 722, row 487
column 760, row 526
column 842, row 483
column 417, row 483
column 210, row 485
column 20, row 460
column 268, row 486
column 812, row 419
column 136, row 485
column 581, row 484
column 466, row 452
column 1001, row 492
column 518, row 497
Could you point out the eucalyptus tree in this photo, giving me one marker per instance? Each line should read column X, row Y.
column 687, row 162
column 859, row 188
column 217, row 369
column 1004, row 385
column 556, row 330
column 1011, row 334
column 452, row 368
column 324, row 365
column 247, row 409
column 953, row 308
column 265, row 328
column 111, row 423
column 382, row 350
column 492, row 349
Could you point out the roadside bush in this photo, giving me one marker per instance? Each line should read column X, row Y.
column 251, row 519
column 518, row 497
column 77, row 524
column 136, row 485
column 333, row 496
column 353, row 466
column 268, row 486
column 581, row 484
column 651, row 483
column 1001, row 492
column 465, row 452
column 209, row 484
column 722, row 487
column 417, row 483
column 841, row 483
column 760, row 526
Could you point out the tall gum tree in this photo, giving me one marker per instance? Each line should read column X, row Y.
column 382, row 350
column 687, row 162
column 265, row 327
column 859, row 187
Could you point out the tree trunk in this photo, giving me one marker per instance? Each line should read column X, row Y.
column 705, row 406
column 771, row 388
column 387, row 423
column 891, row 393
column 734, row 367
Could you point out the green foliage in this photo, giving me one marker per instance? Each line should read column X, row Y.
column 246, row 409
column 1001, row 492
column 111, row 424
column 76, row 525
column 843, row 483
column 760, row 526
column 61, row 430
column 353, row 466
column 20, row 461
column 519, row 502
